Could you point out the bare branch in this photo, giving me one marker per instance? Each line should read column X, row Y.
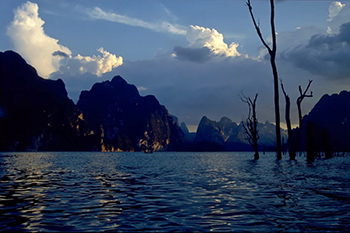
column 273, row 30
column 250, row 124
column 307, row 88
column 300, row 91
column 303, row 95
column 284, row 92
column 257, row 28
column 300, row 99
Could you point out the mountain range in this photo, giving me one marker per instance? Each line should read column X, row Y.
column 37, row 115
column 227, row 135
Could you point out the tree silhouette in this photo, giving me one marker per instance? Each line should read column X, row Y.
column 272, row 51
column 250, row 125
column 291, row 141
column 300, row 99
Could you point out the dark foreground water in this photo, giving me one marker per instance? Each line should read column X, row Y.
column 172, row 192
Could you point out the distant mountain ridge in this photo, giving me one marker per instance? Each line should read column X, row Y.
column 37, row 115
column 227, row 135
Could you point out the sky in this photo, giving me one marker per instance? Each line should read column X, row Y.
column 195, row 56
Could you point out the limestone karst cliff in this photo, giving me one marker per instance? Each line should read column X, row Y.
column 37, row 115
column 126, row 121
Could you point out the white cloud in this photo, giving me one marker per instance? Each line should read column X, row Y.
column 334, row 9
column 96, row 65
column 338, row 15
column 46, row 54
column 163, row 26
column 325, row 55
column 321, row 52
column 30, row 40
column 141, row 88
column 168, row 12
column 200, row 37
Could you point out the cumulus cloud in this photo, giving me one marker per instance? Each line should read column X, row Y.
column 96, row 65
column 288, row 40
column 46, row 54
column 205, row 43
column 200, row 37
column 163, row 26
column 334, row 9
column 338, row 15
column 30, row 40
column 326, row 55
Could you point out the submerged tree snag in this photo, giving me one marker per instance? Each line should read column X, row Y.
column 294, row 139
column 300, row 99
column 291, row 139
column 272, row 52
column 250, row 125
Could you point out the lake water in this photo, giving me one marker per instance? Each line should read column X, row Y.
column 69, row 191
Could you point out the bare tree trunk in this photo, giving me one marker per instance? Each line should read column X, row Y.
column 310, row 148
column 255, row 129
column 250, row 125
column 272, row 52
column 277, row 110
column 300, row 99
column 291, row 143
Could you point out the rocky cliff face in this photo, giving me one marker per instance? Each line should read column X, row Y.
column 216, row 132
column 36, row 113
column 118, row 118
column 327, row 126
column 227, row 135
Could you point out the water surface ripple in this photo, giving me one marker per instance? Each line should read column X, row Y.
column 69, row 191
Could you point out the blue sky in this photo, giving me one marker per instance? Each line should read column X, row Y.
column 194, row 56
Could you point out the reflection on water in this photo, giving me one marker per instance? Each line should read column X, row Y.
column 171, row 192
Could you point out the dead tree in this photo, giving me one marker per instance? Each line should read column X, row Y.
column 291, row 141
column 250, row 125
column 272, row 51
column 310, row 151
column 300, row 99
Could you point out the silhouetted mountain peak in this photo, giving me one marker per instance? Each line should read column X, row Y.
column 227, row 135
column 38, row 113
column 15, row 65
column 225, row 121
column 204, row 120
column 329, row 123
column 12, row 59
column 118, row 81
column 125, row 120
column 184, row 128
column 334, row 104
